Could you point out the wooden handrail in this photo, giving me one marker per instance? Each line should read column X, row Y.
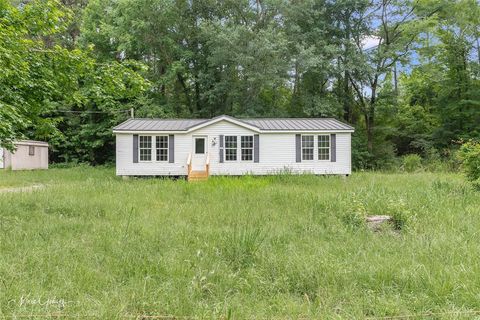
column 189, row 163
column 207, row 164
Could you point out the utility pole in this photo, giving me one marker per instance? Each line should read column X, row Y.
column 132, row 114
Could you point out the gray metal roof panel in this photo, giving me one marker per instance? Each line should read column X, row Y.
column 266, row 124
column 157, row 124
column 299, row 124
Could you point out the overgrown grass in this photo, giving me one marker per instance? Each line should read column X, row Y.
column 283, row 246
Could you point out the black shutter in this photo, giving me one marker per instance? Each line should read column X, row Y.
column 298, row 147
column 333, row 147
column 135, row 148
column 221, row 149
column 171, row 148
column 256, row 148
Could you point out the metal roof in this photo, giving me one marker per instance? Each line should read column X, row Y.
column 158, row 124
column 263, row 124
column 298, row 124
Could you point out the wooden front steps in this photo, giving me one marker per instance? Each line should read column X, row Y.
column 197, row 176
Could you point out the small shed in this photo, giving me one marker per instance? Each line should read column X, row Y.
column 28, row 155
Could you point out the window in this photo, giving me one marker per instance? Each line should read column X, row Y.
column 31, row 150
column 230, row 148
column 162, row 148
column 324, row 147
column 247, row 148
column 199, row 145
column 145, row 148
column 307, row 147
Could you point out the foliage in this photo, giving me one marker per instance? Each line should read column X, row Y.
column 53, row 93
column 361, row 158
column 469, row 154
column 414, row 126
column 446, row 83
column 356, row 217
column 401, row 215
column 412, row 162
column 29, row 83
column 104, row 94
column 404, row 73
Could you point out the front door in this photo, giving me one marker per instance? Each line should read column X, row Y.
column 199, row 153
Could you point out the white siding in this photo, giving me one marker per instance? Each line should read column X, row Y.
column 22, row 160
column 277, row 153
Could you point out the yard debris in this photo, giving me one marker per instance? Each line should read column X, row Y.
column 23, row 189
column 376, row 222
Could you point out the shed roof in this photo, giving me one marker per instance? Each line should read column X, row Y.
column 262, row 124
column 31, row 143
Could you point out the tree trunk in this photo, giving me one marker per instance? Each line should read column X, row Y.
column 347, row 108
column 197, row 94
column 295, row 106
column 395, row 80
column 370, row 117
column 370, row 125
column 180, row 79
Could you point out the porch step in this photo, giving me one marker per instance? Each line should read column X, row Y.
column 198, row 176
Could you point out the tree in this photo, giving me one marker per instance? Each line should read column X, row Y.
column 446, row 82
column 248, row 64
column 350, row 25
column 205, row 57
column 29, row 83
column 404, row 73
column 43, row 81
column 395, row 25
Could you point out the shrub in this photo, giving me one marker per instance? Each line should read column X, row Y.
column 361, row 157
column 384, row 155
column 440, row 185
column 355, row 218
column 412, row 162
column 400, row 213
column 242, row 244
column 433, row 162
column 68, row 165
column 399, row 219
column 469, row 155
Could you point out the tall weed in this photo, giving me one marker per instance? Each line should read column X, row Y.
column 240, row 246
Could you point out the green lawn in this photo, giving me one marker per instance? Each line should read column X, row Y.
column 90, row 243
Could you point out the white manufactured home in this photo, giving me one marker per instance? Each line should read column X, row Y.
column 224, row 145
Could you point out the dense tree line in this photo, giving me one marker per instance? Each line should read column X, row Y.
column 404, row 73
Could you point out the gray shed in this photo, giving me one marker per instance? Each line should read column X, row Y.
column 28, row 155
